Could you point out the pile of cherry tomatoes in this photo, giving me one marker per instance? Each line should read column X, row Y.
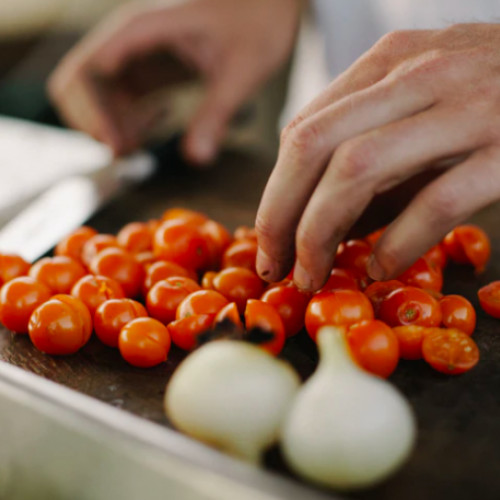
column 170, row 280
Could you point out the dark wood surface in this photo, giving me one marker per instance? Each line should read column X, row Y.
column 458, row 450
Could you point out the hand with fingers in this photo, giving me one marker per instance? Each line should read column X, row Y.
column 416, row 100
column 234, row 46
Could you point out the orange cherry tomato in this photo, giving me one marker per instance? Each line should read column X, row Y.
column 341, row 307
column 185, row 331
column 423, row 274
column 489, row 298
column 207, row 281
column 59, row 273
column 374, row 346
column 238, row 284
column 135, row 237
column 121, row 266
column 72, row 245
column 145, row 259
column 458, row 313
column 60, row 326
column 201, row 302
column 264, row 316
column 111, row 316
column 229, row 312
column 94, row 290
column 410, row 340
column 95, row 244
column 468, row 244
column 353, row 254
column 12, row 266
column 164, row 269
column 340, row 279
column 183, row 244
column 218, row 238
column 165, row 296
column 437, row 256
column 291, row 304
column 18, row 299
column 244, row 233
column 450, row 351
column 184, row 215
column 410, row 306
column 241, row 253
column 379, row 290
column 144, row 342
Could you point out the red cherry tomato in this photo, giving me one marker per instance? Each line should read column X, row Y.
column 111, row 316
column 489, row 298
column 458, row 313
column 229, row 312
column 437, row 256
column 450, row 351
column 135, row 237
column 185, row 331
column 94, row 290
column 374, row 346
column 241, row 253
column 59, row 273
column 165, row 296
column 410, row 340
column 424, row 275
column 245, row 233
column 18, row 299
column 164, row 269
column 410, row 306
column 291, row 304
column 144, row 342
column 468, row 244
column 264, row 316
column 201, row 302
column 72, row 245
column 353, row 254
column 60, row 326
column 379, row 290
column 341, row 307
column 238, row 284
column 218, row 238
column 121, row 266
column 96, row 244
column 340, row 279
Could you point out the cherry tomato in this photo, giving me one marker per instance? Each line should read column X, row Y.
column 373, row 237
column 183, row 244
column 424, row 275
column 458, row 313
column 374, row 346
column 353, row 254
column 121, row 266
column 62, row 325
column 450, row 351
column 340, row 279
column 218, row 238
column 468, row 244
column 18, row 299
column 165, row 296
column 241, row 253
column 12, row 266
column 184, row 215
column 410, row 340
column 291, row 304
column 95, row 244
column 379, row 290
column 111, row 316
column 245, row 233
column 341, row 307
column 229, row 312
column 437, row 256
column 410, row 306
column 145, row 259
column 185, row 331
column 164, row 269
column 201, row 302
column 144, row 342
column 207, row 281
column 59, row 273
column 72, row 245
column 489, row 298
column 238, row 284
column 264, row 316
column 94, row 290
column 135, row 237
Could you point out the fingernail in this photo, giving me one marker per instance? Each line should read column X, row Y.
column 266, row 267
column 375, row 270
column 301, row 277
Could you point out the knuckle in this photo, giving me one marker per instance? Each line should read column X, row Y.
column 395, row 40
column 304, row 140
column 353, row 159
column 285, row 133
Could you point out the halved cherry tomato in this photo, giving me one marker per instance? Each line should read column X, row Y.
column 379, row 290
column 238, row 284
column 18, row 299
column 423, row 274
column 458, row 313
column 201, row 302
column 59, row 273
column 410, row 340
column 341, row 307
column 410, row 306
column 341, row 279
column 468, row 244
column 164, row 269
column 72, row 245
column 450, row 351
column 60, row 326
column 229, row 312
column 258, row 314
column 165, row 296
column 121, row 266
column 437, row 255
column 144, row 342
column 135, row 237
column 95, row 244
column 353, row 254
column 241, row 253
column 111, row 316
column 185, row 331
column 374, row 346
column 291, row 304
column 489, row 298
column 94, row 290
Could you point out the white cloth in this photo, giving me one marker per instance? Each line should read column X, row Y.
column 351, row 27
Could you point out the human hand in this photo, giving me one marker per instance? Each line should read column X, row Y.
column 235, row 46
column 415, row 99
